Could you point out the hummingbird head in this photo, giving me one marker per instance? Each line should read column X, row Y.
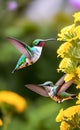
column 47, row 83
column 51, row 89
column 41, row 42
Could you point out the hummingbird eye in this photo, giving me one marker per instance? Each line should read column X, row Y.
column 49, row 85
column 38, row 43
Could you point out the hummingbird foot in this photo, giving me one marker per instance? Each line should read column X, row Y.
column 27, row 64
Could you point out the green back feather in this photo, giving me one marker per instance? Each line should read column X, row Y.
column 21, row 61
column 29, row 49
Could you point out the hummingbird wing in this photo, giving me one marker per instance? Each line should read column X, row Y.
column 65, row 86
column 60, row 81
column 22, row 47
column 37, row 89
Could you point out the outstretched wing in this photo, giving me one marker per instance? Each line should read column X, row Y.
column 37, row 89
column 65, row 86
column 62, row 86
column 60, row 81
column 22, row 47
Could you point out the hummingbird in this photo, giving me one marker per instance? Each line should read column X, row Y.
column 29, row 54
column 56, row 92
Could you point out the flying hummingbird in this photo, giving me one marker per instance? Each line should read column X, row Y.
column 29, row 54
column 55, row 92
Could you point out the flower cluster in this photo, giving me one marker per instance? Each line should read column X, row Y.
column 69, row 118
column 69, row 51
column 78, row 101
column 10, row 102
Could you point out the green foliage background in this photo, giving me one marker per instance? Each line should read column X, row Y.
column 41, row 112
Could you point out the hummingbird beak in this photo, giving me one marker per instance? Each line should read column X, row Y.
column 51, row 39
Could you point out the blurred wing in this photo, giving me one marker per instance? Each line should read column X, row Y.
column 22, row 47
column 65, row 86
column 60, row 81
column 37, row 89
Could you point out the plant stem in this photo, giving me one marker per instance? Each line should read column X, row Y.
column 6, row 121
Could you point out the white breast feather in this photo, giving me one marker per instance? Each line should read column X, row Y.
column 36, row 54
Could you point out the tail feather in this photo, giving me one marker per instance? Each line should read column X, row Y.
column 74, row 95
column 14, row 70
column 66, row 95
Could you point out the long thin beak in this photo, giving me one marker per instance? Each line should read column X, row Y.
column 51, row 39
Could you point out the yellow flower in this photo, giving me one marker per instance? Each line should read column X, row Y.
column 78, row 71
column 77, row 31
column 59, row 118
column 64, row 64
column 78, row 86
column 76, row 17
column 78, row 102
column 68, row 77
column 64, row 126
column 15, row 100
column 63, row 49
column 69, row 118
column 67, row 33
column 69, row 112
column 1, row 122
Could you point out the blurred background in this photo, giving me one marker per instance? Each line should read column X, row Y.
column 28, row 20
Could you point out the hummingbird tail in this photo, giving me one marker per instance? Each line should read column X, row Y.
column 74, row 95
column 14, row 70
column 67, row 95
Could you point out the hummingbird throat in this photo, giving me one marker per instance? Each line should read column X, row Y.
column 41, row 44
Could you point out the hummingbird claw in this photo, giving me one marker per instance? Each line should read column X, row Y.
column 59, row 101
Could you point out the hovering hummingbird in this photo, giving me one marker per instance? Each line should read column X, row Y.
column 29, row 54
column 55, row 92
